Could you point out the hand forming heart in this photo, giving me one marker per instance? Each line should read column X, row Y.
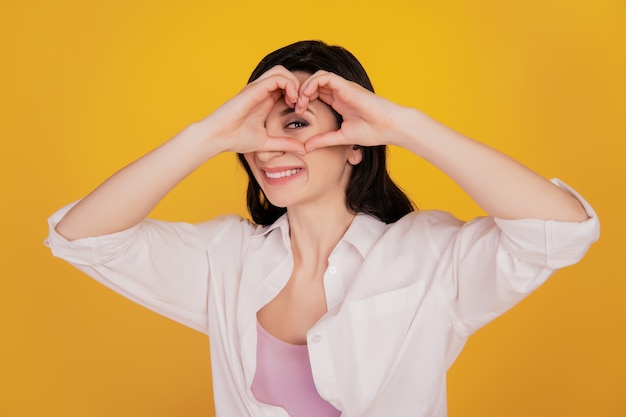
column 240, row 122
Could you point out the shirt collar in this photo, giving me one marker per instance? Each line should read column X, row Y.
column 281, row 223
column 363, row 233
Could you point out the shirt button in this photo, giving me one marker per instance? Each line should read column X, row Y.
column 316, row 338
column 332, row 269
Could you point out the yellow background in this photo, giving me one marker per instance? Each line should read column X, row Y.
column 87, row 86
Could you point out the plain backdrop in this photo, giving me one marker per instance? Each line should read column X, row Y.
column 88, row 86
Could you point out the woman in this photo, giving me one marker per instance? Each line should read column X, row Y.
column 338, row 299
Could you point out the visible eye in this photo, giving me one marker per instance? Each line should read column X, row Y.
column 296, row 124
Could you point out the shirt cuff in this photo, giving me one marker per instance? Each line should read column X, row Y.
column 88, row 250
column 550, row 243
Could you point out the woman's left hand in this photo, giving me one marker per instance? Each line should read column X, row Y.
column 368, row 119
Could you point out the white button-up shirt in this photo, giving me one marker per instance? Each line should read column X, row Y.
column 402, row 298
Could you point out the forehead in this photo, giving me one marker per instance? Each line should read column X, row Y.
column 301, row 75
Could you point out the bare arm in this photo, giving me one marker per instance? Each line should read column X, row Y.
column 500, row 185
column 130, row 194
column 237, row 126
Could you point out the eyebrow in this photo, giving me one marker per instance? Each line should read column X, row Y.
column 290, row 110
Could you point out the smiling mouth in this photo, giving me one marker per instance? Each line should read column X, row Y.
column 281, row 174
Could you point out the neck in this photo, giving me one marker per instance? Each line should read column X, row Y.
column 316, row 231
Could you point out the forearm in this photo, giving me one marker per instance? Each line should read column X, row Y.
column 500, row 185
column 129, row 195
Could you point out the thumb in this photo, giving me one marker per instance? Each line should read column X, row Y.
column 322, row 140
column 277, row 144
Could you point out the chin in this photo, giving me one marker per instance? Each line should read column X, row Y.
column 278, row 203
column 276, row 200
column 285, row 199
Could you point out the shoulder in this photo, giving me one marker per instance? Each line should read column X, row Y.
column 229, row 222
column 226, row 227
column 427, row 221
column 225, row 230
column 414, row 228
column 436, row 229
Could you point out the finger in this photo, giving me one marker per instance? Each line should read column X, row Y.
column 291, row 92
column 320, row 80
column 345, row 96
column 278, row 72
column 306, row 93
column 275, row 70
column 273, row 88
column 320, row 84
column 287, row 85
column 323, row 140
column 283, row 145
column 276, row 95
column 302, row 103
column 327, row 98
column 290, row 101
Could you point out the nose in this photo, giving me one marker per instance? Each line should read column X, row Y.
column 268, row 155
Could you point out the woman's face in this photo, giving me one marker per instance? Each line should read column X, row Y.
column 290, row 179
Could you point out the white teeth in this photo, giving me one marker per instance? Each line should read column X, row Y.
column 282, row 173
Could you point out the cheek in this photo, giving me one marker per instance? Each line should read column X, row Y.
column 332, row 161
column 249, row 157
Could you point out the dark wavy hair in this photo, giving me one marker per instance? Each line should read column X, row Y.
column 370, row 189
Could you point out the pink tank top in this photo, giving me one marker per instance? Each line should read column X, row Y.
column 283, row 378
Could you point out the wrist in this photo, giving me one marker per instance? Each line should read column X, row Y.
column 209, row 143
column 409, row 125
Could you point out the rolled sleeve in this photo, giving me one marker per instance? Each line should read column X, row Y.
column 491, row 264
column 549, row 243
column 160, row 265
column 89, row 250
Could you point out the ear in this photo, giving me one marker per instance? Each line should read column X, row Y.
column 355, row 155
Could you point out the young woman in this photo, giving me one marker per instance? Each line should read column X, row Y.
column 338, row 299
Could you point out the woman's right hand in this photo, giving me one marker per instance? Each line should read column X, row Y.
column 239, row 124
